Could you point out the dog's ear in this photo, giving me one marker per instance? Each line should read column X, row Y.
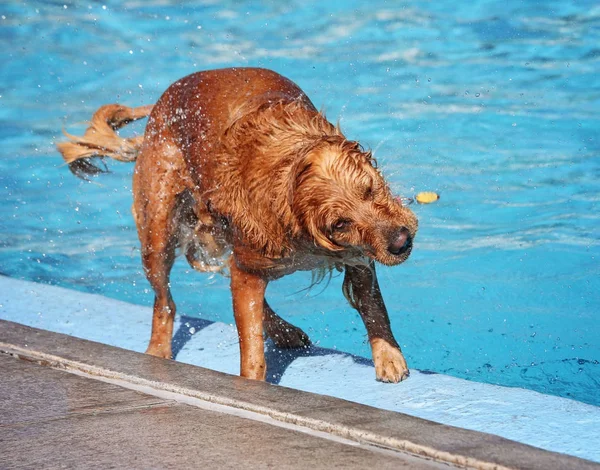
column 303, row 165
column 308, row 215
column 298, row 170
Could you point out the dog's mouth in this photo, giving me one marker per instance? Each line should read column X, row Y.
column 386, row 257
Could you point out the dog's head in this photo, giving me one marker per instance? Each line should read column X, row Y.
column 342, row 202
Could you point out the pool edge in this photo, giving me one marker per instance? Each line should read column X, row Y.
column 361, row 423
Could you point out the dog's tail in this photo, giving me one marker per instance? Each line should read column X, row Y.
column 101, row 140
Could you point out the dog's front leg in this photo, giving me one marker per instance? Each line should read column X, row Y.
column 362, row 290
column 248, row 291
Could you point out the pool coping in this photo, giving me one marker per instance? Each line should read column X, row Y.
column 337, row 417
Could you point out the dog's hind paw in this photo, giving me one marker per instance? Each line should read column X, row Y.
column 286, row 336
column 160, row 351
column 390, row 365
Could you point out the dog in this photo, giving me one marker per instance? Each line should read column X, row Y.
column 239, row 172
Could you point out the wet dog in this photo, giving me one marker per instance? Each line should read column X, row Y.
column 239, row 172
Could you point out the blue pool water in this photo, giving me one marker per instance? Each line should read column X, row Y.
column 493, row 104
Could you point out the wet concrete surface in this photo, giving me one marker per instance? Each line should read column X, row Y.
column 54, row 419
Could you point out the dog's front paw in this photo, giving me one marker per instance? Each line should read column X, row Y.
column 390, row 365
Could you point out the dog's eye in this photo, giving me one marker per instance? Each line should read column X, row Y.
column 369, row 193
column 341, row 224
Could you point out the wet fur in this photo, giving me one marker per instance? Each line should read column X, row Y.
column 254, row 186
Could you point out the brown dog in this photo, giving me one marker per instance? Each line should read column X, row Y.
column 238, row 170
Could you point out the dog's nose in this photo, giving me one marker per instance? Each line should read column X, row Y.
column 400, row 241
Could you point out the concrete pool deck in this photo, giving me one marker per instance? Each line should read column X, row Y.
column 75, row 403
column 56, row 419
column 549, row 422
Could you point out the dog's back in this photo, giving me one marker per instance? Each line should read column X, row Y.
column 195, row 111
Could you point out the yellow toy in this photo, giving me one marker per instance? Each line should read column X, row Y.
column 427, row 197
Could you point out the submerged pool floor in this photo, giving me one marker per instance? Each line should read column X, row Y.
column 492, row 104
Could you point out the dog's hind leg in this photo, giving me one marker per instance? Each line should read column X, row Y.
column 158, row 255
column 157, row 186
column 362, row 291
column 284, row 334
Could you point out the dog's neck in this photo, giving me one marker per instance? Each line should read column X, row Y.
column 305, row 256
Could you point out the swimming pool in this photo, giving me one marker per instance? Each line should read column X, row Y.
column 492, row 104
